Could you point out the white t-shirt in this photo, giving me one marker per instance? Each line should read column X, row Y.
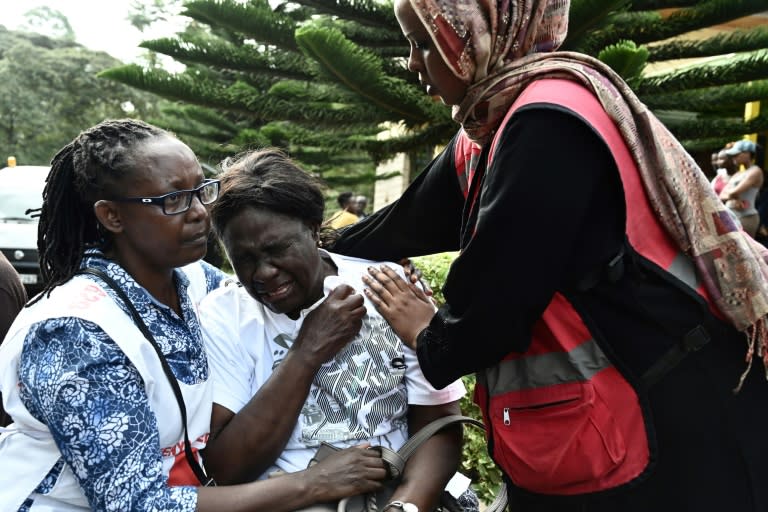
column 361, row 395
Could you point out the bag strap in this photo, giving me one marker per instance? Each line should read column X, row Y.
column 204, row 479
column 396, row 460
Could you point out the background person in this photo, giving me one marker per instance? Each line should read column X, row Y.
column 361, row 203
column 275, row 353
column 346, row 215
column 725, row 169
column 12, row 299
column 96, row 424
column 740, row 194
column 617, row 426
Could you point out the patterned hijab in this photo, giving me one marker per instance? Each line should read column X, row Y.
column 498, row 47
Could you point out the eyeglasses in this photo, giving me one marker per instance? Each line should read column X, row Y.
column 179, row 201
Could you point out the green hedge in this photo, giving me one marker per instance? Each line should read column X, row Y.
column 476, row 463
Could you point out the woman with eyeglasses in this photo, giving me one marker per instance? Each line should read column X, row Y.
column 97, row 421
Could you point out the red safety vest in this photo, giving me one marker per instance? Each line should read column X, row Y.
column 561, row 418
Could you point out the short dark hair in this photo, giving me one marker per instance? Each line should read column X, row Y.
column 268, row 180
column 344, row 199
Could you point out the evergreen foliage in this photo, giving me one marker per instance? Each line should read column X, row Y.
column 320, row 78
column 49, row 92
column 627, row 59
column 737, row 41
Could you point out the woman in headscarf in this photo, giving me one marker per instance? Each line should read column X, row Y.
column 608, row 325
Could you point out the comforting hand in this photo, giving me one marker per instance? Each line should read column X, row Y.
column 403, row 304
column 330, row 326
column 356, row 470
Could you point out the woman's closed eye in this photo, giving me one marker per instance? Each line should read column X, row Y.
column 278, row 249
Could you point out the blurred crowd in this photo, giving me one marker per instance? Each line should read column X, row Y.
column 351, row 209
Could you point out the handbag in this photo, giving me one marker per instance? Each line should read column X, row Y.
column 395, row 462
column 204, row 479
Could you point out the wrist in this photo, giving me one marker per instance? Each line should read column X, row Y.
column 303, row 353
column 314, row 491
column 301, row 364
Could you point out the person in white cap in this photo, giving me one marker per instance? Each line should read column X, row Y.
column 741, row 191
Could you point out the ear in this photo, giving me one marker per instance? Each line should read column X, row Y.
column 108, row 215
column 315, row 230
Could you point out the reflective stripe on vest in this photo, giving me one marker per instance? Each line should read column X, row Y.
column 537, row 371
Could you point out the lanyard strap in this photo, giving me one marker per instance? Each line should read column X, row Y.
column 204, row 479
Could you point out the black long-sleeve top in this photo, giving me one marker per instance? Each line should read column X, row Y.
column 550, row 209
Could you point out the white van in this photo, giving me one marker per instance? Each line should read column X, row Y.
column 21, row 189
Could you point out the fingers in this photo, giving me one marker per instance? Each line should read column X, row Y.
column 375, row 466
column 386, row 288
column 420, row 293
column 375, row 291
column 415, row 276
column 347, row 472
column 347, row 297
column 342, row 291
column 388, row 278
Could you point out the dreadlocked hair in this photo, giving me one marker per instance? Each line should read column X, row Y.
column 87, row 169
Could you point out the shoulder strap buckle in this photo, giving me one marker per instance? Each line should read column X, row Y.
column 612, row 272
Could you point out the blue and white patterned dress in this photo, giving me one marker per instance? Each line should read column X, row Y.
column 76, row 380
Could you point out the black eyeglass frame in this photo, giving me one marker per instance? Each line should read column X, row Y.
column 160, row 200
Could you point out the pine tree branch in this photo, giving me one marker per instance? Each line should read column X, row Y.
column 203, row 116
column 691, row 127
column 220, row 54
column 341, row 143
column 585, row 15
column 322, row 103
column 339, row 139
column 312, row 92
column 740, row 68
column 721, row 44
column 360, row 71
column 646, row 26
column 649, row 5
column 210, row 152
column 319, row 115
column 720, row 99
column 370, row 37
column 626, row 59
column 318, row 156
column 365, row 12
column 430, row 135
column 346, row 181
column 254, row 19
column 708, row 144
column 239, row 97
column 183, row 128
